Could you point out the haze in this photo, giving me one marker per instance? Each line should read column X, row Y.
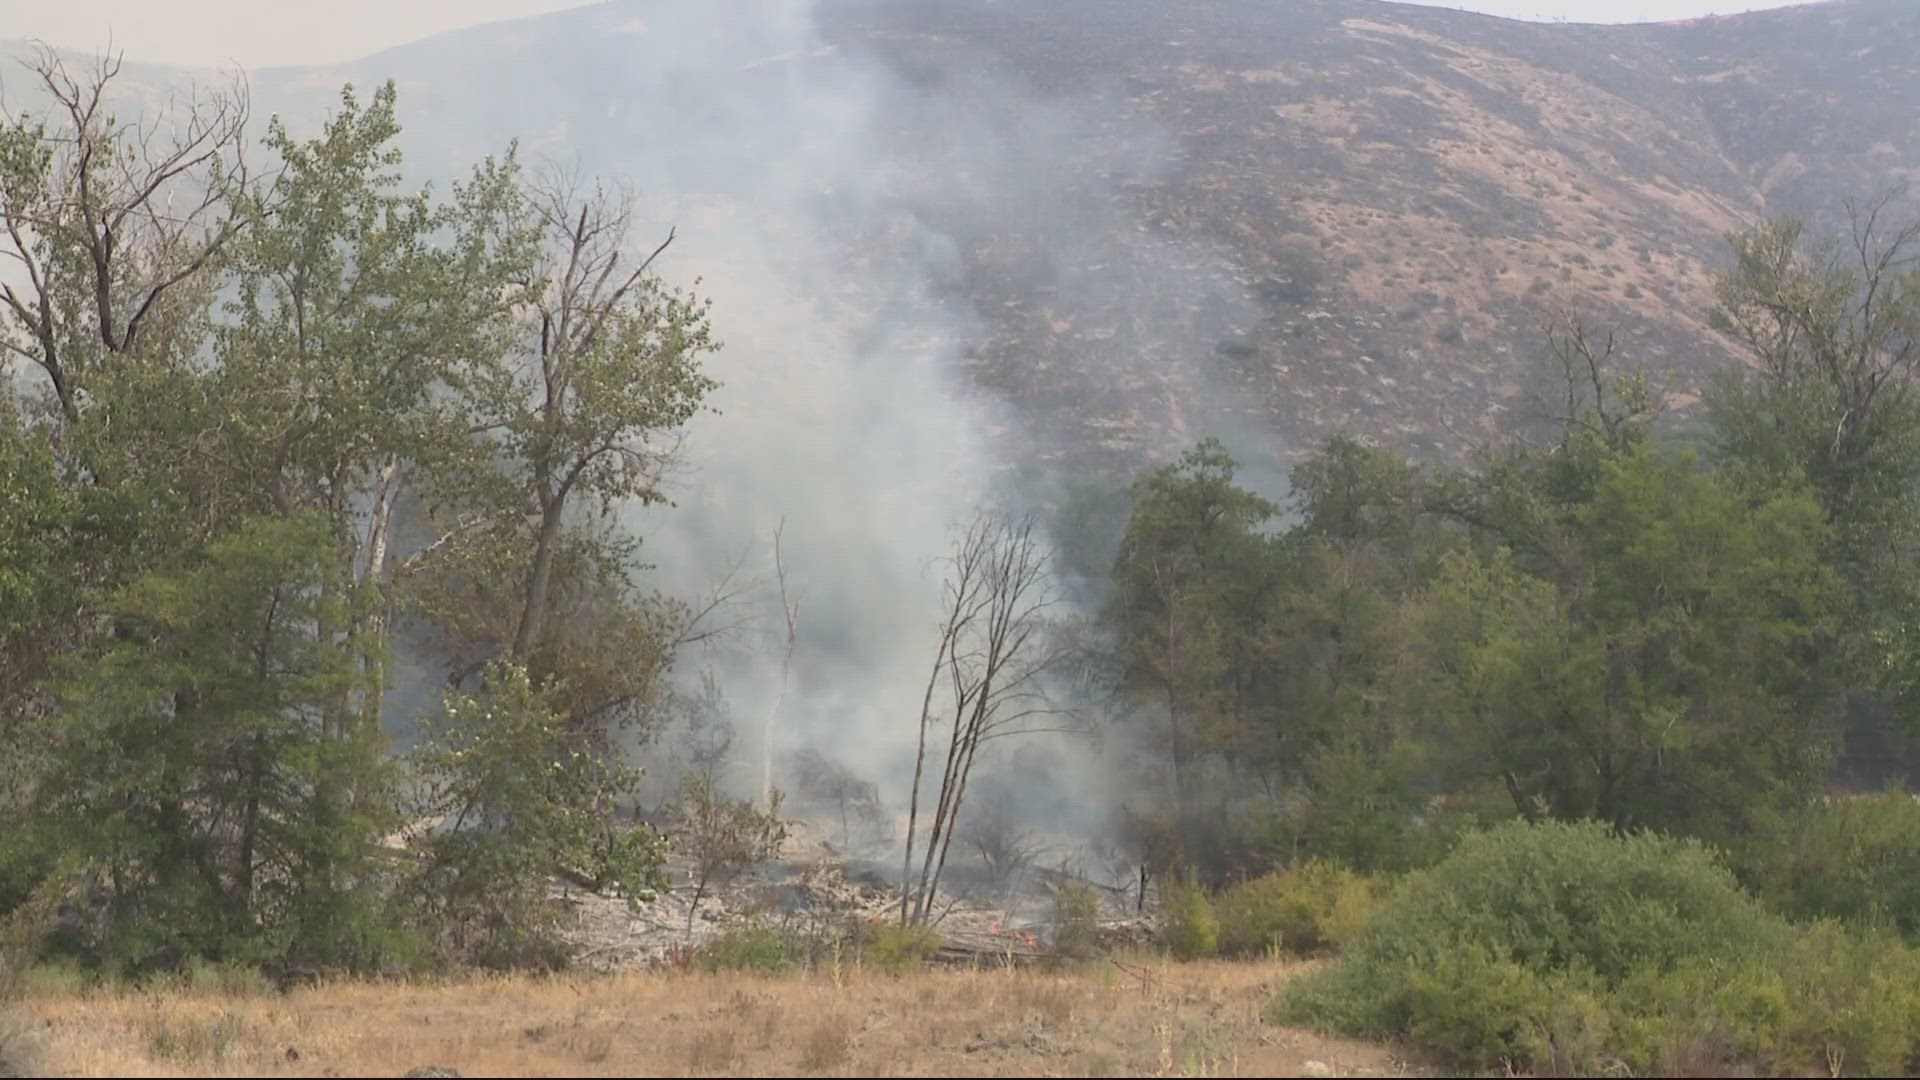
column 267, row 33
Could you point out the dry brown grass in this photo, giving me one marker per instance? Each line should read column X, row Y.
column 1151, row 1018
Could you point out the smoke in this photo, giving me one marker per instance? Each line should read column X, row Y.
column 911, row 258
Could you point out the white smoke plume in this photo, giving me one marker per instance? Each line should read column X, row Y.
column 862, row 225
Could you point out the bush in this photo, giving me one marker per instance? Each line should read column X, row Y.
column 1188, row 928
column 756, row 947
column 1856, row 859
column 893, row 948
column 1306, row 910
column 1076, row 921
column 1528, row 929
column 1854, row 1002
column 1562, row 949
column 1365, row 810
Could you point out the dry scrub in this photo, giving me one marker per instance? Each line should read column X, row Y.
column 1150, row 1018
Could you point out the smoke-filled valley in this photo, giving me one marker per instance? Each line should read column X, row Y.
column 654, row 485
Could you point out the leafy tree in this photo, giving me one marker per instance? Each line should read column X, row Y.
column 116, row 232
column 1833, row 332
column 1189, row 585
column 1672, row 683
column 266, row 415
column 510, row 799
column 187, row 756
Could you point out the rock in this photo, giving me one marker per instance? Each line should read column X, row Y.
column 1315, row 1068
column 425, row 1072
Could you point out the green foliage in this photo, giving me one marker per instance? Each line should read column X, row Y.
column 254, row 389
column 1663, row 677
column 1825, row 1000
column 1189, row 583
column 1076, row 921
column 511, row 796
column 756, row 947
column 895, row 949
column 1305, row 910
column 1188, row 927
column 1856, row 859
column 1363, row 809
column 1527, row 929
column 1828, row 328
column 196, row 753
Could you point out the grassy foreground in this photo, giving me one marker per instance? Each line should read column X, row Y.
column 1150, row 1017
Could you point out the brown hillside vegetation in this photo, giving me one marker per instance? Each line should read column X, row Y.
column 1292, row 218
column 1150, row 1020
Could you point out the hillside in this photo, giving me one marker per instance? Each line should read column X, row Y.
column 1404, row 193
column 1140, row 221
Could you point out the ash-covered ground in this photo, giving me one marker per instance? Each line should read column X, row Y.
column 829, row 883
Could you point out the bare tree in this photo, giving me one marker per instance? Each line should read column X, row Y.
column 830, row 784
column 1594, row 394
column 1845, row 314
column 790, row 616
column 105, row 219
column 1007, row 848
column 722, row 837
column 996, row 643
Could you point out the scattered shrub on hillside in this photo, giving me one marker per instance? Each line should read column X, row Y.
column 1308, row 909
column 1188, row 927
column 1856, row 859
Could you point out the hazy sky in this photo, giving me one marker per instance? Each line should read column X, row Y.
column 261, row 33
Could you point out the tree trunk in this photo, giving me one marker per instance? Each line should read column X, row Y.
column 540, row 578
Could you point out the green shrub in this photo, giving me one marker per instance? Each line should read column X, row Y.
column 1474, row 1007
column 756, row 947
column 1305, row 910
column 1562, row 949
column 1555, row 896
column 894, row 949
column 1854, row 1002
column 1856, row 859
column 1189, row 929
column 1507, row 953
column 1076, row 921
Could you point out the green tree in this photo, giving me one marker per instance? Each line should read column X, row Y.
column 263, row 415
column 1189, row 586
column 510, row 799
column 1671, row 682
column 186, row 756
column 1832, row 330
